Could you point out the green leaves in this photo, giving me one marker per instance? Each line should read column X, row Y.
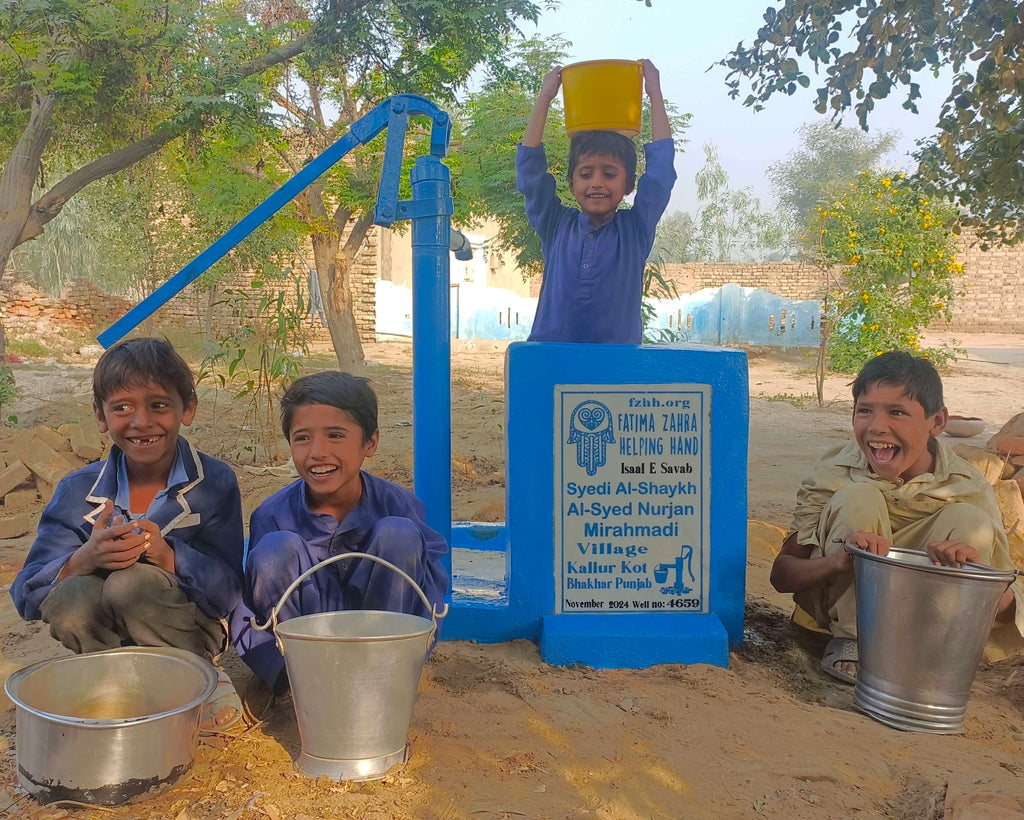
column 890, row 253
column 981, row 41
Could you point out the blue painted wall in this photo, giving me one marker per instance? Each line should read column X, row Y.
column 731, row 315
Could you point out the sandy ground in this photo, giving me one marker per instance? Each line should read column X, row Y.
column 497, row 733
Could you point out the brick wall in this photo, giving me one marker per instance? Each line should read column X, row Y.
column 83, row 306
column 993, row 301
column 24, row 310
column 789, row 279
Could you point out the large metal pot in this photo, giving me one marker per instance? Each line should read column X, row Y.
column 108, row 727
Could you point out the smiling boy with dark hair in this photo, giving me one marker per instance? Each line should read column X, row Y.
column 145, row 548
column 594, row 257
column 897, row 485
column 335, row 507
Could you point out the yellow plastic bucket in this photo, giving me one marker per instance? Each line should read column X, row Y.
column 603, row 95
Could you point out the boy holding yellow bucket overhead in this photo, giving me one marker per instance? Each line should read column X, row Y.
column 594, row 257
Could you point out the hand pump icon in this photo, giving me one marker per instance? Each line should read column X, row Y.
column 661, row 572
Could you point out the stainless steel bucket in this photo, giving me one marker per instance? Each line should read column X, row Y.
column 108, row 727
column 354, row 677
column 921, row 633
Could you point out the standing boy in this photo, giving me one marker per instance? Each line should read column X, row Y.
column 594, row 257
column 145, row 548
column 330, row 421
column 895, row 485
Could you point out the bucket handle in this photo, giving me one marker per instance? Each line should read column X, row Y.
column 435, row 613
column 1017, row 573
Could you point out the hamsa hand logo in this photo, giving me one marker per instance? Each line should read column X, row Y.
column 590, row 429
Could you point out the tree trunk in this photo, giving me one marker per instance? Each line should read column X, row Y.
column 337, row 298
column 341, row 318
column 19, row 176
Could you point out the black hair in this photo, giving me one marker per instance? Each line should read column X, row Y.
column 344, row 391
column 604, row 142
column 138, row 362
column 918, row 378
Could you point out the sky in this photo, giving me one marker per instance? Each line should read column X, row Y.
column 683, row 38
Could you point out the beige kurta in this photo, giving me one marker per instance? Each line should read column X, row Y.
column 840, row 495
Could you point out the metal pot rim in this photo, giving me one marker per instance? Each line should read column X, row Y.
column 204, row 668
column 976, row 572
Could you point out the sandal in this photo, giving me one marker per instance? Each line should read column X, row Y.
column 214, row 717
column 838, row 651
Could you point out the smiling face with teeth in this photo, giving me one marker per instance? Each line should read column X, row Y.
column 328, row 448
column 144, row 422
column 598, row 184
column 894, row 431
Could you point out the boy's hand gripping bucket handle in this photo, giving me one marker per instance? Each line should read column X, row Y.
column 271, row 623
column 1015, row 573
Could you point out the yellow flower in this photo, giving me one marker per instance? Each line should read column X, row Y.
column 886, row 181
column 881, row 230
column 874, row 327
column 863, row 327
column 865, row 297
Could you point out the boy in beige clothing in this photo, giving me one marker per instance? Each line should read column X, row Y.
column 896, row 485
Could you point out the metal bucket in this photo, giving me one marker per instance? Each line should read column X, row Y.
column 108, row 727
column 354, row 677
column 921, row 633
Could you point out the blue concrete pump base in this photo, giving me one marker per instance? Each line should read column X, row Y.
column 633, row 641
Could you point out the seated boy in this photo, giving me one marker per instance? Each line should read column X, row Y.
column 330, row 421
column 895, row 485
column 594, row 257
column 145, row 548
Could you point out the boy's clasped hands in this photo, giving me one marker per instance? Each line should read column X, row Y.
column 117, row 542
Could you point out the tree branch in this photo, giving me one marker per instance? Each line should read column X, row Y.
column 49, row 205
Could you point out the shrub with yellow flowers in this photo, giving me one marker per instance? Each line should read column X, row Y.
column 890, row 252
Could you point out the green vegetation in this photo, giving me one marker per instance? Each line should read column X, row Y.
column 889, row 252
column 8, row 393
column 860, row 51
column 257, row 360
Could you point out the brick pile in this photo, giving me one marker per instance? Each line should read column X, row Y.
column 33, row 460
column 1001, row 461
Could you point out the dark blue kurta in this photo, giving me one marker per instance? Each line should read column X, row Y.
column 593, row 277
column 200, row 518
column 286, row 538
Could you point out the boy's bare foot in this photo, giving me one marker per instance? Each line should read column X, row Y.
column 224, row 708
column 840, row 659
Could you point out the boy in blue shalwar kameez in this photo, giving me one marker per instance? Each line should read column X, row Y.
column 145, row 548
column 330, row 421
column 594, row 257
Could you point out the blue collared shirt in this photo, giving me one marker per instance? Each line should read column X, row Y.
column 593, row 276
column 122, row 500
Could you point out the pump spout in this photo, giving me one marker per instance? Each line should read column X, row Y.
column 459, row 245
